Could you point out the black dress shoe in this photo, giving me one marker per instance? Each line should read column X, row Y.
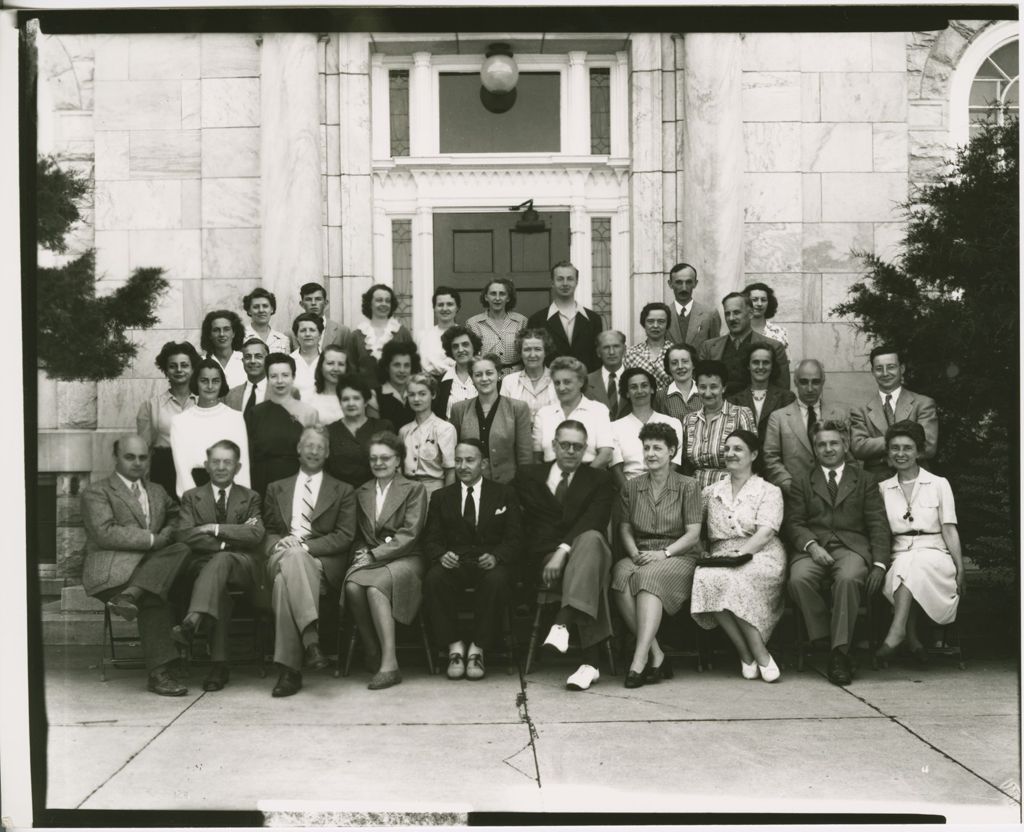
column 288, row 683
column 920, row 656
column 839, row 672
column 161, row 682
column 634, row 679
column 315, row 659
column 124, row 606
column 217, row 677
column 183, row 633
column 652, row 675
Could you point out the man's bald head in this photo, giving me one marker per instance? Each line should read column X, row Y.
column 131, row 457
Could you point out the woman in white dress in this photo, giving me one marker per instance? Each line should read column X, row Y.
column 447, row 302
column 927, row 569
column 532, row 384
column 333, row 364
column 307, row 328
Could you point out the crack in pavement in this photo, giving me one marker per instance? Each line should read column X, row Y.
column 522, row 706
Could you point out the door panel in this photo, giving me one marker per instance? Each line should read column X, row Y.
column 472, row 249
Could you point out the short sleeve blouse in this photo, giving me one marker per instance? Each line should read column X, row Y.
column 758, row 503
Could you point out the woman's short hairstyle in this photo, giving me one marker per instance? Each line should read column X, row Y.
column 748, row 352
column 628, row 373
column 657, row 306
column 748, row 438
column 312, row 317
column 393, row 349
column 351, row 381
column 509, row 287
column 259, row 292
column 206, row 340
column 537, row 334
column 773, row 302
column 450, row 334
column 567, row 362
column 709, row 367
column 392, row 441
column 279, row 358
column 911, row 430
column 318, row 374
column 660, row 432
column 446, row 290
column 426, row 380
column 170, row 348
column 209, row 364
column 490, row 358
column 367, row 299
column 676, row 348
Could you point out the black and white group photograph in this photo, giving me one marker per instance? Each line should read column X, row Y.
column 452, row 416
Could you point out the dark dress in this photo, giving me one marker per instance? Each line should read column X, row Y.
column 273, row 439
column 350, row 455
column 394, row 411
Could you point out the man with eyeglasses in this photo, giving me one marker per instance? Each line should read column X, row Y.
column 892, row 403
column 567, row 505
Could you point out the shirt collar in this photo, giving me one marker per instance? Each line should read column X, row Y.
column 128, row 483
column 683, row 310
column 168, row 397
column 476, row 487
column 554, row 310
column 817, row 407
column 386, row 389
column 894, row 393
column 605, row 373
column 675, row 391
column 314, row 479
column 839, row 472
column 227, row 491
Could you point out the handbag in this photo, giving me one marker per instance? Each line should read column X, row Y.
column 724, row 560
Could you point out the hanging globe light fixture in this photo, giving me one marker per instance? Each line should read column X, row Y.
column 499, row 75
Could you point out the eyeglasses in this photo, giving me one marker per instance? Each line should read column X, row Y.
column 574, row 447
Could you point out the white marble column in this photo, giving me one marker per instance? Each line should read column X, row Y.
column 712, row 217
column 291, row 220
column 422, row 266
column 579, row 251
column 423, row 140
column 577, row 129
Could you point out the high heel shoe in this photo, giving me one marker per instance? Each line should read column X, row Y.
column 769, row 672
column 652, row 675
column 634, row 679
column 884, row 651
column 749, row 670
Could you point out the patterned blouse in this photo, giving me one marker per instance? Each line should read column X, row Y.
column 758, row 503
column 671, row 402
column 777, row 332
column 275, row 341
column 704, row 440
column 638, row 356
column 499, row 337
column 517, row 385
column 658, row 522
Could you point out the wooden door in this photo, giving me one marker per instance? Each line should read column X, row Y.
column 472, row 249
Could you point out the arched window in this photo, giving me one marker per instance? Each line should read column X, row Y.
column 985, row 82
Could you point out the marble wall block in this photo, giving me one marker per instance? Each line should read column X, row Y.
column 334, row 199
column 768, row 51
column 112, row 154
column 228, row 294
column 771, row 146
column 810, row 96
column 332, row 100
column 889, row 147
column 152, row 203
column 119, row 400
column 333, row 134
column 192, row 307
column 890, row 240
column 228, row 55
column 645, row 124
column 811, row 194
column 138, row 105
column 811, row 312
column 772, row 197
column 771, row 247
column 69, row 510
column 76, row 404
column 231, row 253
column 926, row 114
column 828, row 247
column 830, row 146
column 353, row 53
column 102, row 452
column 852, row 388
column 112, row 255
column 177, row 252
column 70, row 551
column 834, row 51
column 231, row 203
column 771, row 96
column 331, row 53
column 863, row 96
column 231, row 152
column 646, row 221
column 839, row 345
column 164, row 154
column 191, row 105
column 230, row 102
column 862, row 197
column 151, row 341
column 352, row 93
column 64, row 451
column 357, row 225
column 645, row 52
column 46, row 401
column 332, row 256
column 163, row 56
column 788, row 290
column 110, row 56
column 834, row 290
column 889, row 51
column 170, row 308
column 191, row 203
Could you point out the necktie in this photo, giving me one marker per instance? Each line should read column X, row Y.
column 306, row 524
column 251, row 402
column 890, row 417
column 222, row 506
column 613, row 396
column 137, row 494
column 469, row 509
column 562, row 488
column 812, row 420
column 833, row 486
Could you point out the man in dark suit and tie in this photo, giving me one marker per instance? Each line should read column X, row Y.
column 837, row 526
column 220, row 523
column 689, row 322
column 131, row 561
column 893, row 403
column 571, row 326
column 728, row 348
column 568, row 505
column 472, row 538
column 310, row 520
column 603, row 384
column 246, row 396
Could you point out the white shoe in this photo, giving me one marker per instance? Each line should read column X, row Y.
column 558, row 638
column 583, row 678
column 770, row 672
column 749, row 670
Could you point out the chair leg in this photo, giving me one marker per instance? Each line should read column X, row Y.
column 351, row 650
column 534, row 633
column 798, row 626
column 610, row 655
column 108, row 638
column 426, row 644
column 700, row 646
column 509, row 637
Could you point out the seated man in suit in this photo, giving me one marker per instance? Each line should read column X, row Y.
column 788, row 452
column 131, row 560
column 572, row 326
column 246, row 396
column 472, row 538
column 603, row 384
column 568, row 505
column 310, row 520
column 836, row 523
column 728, row 348
column 220, row 523
column 690, row 322
column 893, row 403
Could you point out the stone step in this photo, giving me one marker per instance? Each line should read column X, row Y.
column 74, row 599
column 61, row 627
column 50, row 587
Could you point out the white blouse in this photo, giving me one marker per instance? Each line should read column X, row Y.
column 195, row 430
column 931, row 505
column 629, row 450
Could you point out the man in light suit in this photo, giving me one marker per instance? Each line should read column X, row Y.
column 837, row 527
column 728, row 348
column 893, row 403
column 220, row 523
column 690, row 322
column 788, row 452
column 472, row 538
column 310, row 520
column 603, row 384
column 313, row 298
column 572, row 326
column 131, row 561
column 568, row 505
column 246, row 396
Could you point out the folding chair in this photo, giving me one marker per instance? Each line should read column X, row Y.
column 544, row 598
column 866, row 611
column 340, row 670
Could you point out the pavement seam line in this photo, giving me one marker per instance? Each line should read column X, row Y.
column 137, row 753
column 917, row 736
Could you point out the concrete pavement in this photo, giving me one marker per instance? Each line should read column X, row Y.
column 938, row 740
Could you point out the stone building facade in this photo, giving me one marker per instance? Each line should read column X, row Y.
column 238, row 160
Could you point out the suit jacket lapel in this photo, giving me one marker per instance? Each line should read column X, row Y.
column 129, row 499
column 796, row 422
column 394, row 498
column 847, row 484
column 324, row 498
column 819, row 486
column 488, row 495
column 877, row 416
column 366, row 495
column 285, row 497
column 904, row 405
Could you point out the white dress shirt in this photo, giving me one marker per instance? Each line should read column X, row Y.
column 476, row 499
column 817, row 411
column 568, row 319
column 682, row 311
column 380, row 496
column 305, row 376
column 555, row 477
column 895, row 397
column 261, row 391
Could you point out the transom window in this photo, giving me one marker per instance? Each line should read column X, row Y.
column 995, row 90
